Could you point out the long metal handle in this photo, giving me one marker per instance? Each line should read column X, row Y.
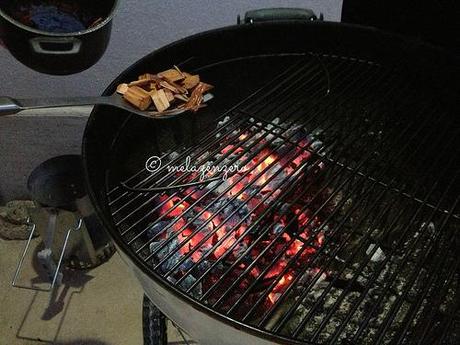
column 64, row 246
column 24, row 252
column 10, row 106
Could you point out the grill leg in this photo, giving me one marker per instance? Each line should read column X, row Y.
column 153, row 324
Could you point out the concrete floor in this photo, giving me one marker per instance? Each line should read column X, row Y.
column 102, row 306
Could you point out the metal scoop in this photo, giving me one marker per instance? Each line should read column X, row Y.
column 10, row 106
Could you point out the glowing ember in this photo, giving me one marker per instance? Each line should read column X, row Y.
column 215, row 225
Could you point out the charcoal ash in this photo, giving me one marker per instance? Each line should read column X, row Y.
column 278, row 229
column 378, row 254
column 377, row 297
column 156, row 228
column 236, row 205
column 166, row 248
column 188, row 282
column 316, row 145
column 219, row 186
column 156, row 245
column 173, row 155
column 223, row 121
column 240, row 249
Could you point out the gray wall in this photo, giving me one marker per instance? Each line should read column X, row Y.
column 140, row 27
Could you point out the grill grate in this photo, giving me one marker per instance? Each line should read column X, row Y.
column 346, row 229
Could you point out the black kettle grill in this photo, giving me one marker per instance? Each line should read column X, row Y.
column 344, row 227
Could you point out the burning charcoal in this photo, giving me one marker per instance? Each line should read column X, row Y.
column 278, row 180
column 240, row 249
column 233, row 206
column 188, row 283
column 378, row 255
column 206, row 264
column 204, row 249
column 154, row 245
column 156, row 228
column 203, row 266
column 169, row 264
column 233, row 221
column 219, row 186
column 173, row 259
column 278, row 229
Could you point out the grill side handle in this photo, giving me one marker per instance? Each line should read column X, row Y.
column 278, row 14
column 9, row 106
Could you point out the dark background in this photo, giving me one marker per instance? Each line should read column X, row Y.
column 436, row 21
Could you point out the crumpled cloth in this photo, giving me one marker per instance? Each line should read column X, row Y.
column 50, row 18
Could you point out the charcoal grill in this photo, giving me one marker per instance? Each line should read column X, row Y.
column 344, row 226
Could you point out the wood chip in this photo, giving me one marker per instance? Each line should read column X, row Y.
column 142, row 82
column 160, row 100
column 168, row 86
column 191, row 81
column 177, row 87
column 172, row 75
column 169, row 95
column 178, row 70
column 196, row 98
column 138, row 97
column 159, row 91
column 148, row 76
column 181, row 97
column 207, row 87
column 122, row 88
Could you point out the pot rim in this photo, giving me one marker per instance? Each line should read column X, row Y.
column 108, row 18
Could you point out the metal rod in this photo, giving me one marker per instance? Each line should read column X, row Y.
column 24, row 252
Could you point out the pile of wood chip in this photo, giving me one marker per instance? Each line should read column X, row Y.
column 170, row 89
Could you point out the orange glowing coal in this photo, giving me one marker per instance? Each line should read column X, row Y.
column 231, row 148
column 216, row 231
column 174, row 206
column 282, row 284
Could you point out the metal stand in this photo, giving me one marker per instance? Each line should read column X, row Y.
column 45, row 256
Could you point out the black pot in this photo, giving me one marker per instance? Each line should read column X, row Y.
column 58, row 53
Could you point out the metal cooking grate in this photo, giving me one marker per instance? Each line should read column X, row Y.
column 374, row 259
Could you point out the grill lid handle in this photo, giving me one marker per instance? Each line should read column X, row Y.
column 278, row 14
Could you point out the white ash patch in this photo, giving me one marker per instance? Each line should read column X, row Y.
column 377, row 253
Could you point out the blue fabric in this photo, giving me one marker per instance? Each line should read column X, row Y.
column 51, row 19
